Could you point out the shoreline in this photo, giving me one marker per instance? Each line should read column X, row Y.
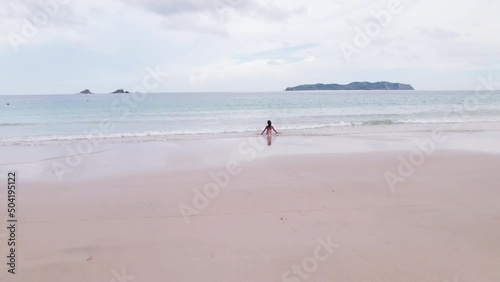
column 79, row 158
column 77, row 161
column 407, row 130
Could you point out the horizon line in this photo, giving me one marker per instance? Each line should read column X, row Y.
column 233, row 91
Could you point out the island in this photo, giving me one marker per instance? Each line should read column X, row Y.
column 119, row 91
column 381, row 85
column 86, row 91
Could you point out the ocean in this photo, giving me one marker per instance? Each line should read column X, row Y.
column 37, row 119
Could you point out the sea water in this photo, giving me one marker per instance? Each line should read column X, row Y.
column 33, row 119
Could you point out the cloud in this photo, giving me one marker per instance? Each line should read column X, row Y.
column 173, row 7
column 287, row 53
column 212, row 45
column 55, row 13
column 202, row 24
column 36, row 22
column 439, row 33
column 275, row 62
column 213, row 17
column 198, row 78
column 219, row 9
column 309, row 59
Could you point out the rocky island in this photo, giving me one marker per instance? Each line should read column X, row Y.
column 381, row 85
column 119, row 91
column 86, row 91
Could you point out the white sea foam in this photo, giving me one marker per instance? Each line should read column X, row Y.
column 68, row 118
column 290, row 130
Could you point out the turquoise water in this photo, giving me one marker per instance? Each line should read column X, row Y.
column 45, row 118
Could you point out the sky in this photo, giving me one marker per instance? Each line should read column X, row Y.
column 65, row 46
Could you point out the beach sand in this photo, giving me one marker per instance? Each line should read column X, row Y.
column 298, row 211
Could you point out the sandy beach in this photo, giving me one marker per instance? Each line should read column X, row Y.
column 249, row 141
column 299, row 210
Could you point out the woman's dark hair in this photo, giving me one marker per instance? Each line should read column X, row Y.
column 269, row 122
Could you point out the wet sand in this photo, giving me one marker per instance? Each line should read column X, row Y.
column 293, row 211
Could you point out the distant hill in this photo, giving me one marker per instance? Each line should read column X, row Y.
column 381, row 85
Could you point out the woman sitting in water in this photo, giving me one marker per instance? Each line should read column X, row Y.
column 269, row 128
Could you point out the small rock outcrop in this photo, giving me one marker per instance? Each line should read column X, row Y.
column 86, row 91
column 119, row 91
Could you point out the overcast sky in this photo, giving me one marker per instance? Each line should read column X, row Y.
column 245, row 45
